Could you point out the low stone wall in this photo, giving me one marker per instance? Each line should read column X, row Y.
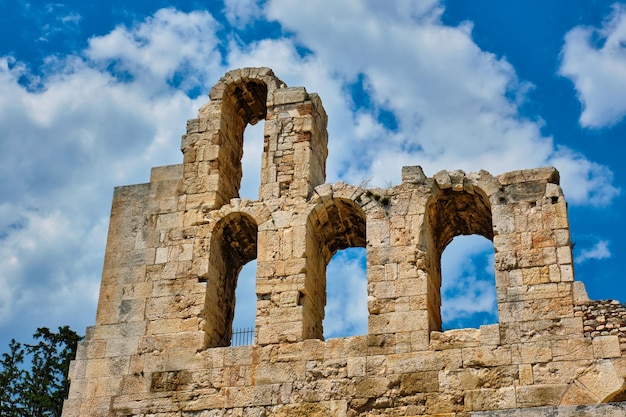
column 603, row 318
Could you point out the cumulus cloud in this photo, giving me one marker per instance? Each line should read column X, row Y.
column 598, row 251
column 595, row 60
column 171, row 46
column 438, row 101
column 585, row 182
column 241, row 12
column 72, row 133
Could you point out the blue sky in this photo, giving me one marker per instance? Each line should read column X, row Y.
column 93, row 94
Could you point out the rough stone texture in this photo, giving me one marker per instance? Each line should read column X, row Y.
column 159, row 346
column 603, row 318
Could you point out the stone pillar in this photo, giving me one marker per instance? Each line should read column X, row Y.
column 533, row 260
column 296, row 145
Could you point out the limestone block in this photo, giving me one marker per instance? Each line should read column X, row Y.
column 579, row 293
column 161, row 255
column 378, row 233
column 413, row 174
column 602, row 381
column 505, row 261
column 184, row 340
column 539, row 395
column 567, row 273
column 486, row 356
column 490, row 399
column 71, row 406
column 444, row 404
column 606, row 347
column 475, row 378
column 279, row 332
column 526, row 375
column 564, row 255
column 557, row 372
column 536, row 352
column 551, row 329
column 207, row 401
column 370, row 387
column 419, row 382
column 290, row 95
column 443, row 179
column 572, row 349
column 121, row 347
column 578, row 394
column 94, row 349
column 555, row 273
column 506, row 241
column 101, row 386
column 490, row 334
column 184, row 359
column 454, row 339
column 274, row 373
column 456, row 178
column 424, row 361
column 356, row 367
column 419, row 340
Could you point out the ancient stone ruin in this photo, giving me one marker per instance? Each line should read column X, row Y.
column 160, row 344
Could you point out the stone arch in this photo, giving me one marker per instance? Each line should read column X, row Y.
column 332, row 225
column 452, row 211
column 233, row 244
column 294, row 143
column 213, row 145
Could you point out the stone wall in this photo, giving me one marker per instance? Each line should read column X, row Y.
column 603, row 318
column 160, row 344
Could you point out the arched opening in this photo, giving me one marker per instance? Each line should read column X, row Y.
column 244, row 104
column 468, row 290
column 450, row 214
column 245, row 306
column 233, row 245
column 251, row 161
column 335, row 225
column 248, row 101
column 346, row 294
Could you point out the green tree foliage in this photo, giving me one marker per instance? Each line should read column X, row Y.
column 11, row 380
column 40, row 390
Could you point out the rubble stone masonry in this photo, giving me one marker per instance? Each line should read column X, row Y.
column 160, row 344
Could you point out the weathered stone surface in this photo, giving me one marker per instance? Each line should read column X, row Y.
column 160, row 346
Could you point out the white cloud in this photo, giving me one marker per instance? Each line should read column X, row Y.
column 598, row 251
column 166, row 44
column 595, row 60
column 456, row 106
column 585, row 182
column 240, row 12
column 46, row 272
column 69, row 141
